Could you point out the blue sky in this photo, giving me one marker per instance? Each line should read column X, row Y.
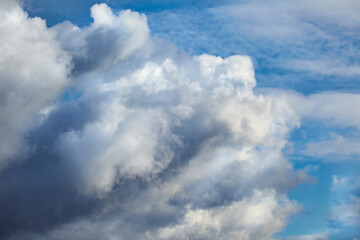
column 303, row 140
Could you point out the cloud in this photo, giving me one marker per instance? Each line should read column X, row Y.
column 293, row 46
column 34, row 71
column 109, row 39
column 334, row 108
column 347, row 214
column 335, row 111
column 336, row 148
column 326, row 67
column 317, row 236
column 286, row 21
column 260, row 215
column 345, row 208
column 138, row 129
column 124, row 144
column 157, row 144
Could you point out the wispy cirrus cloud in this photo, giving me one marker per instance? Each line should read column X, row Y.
column 293, row 45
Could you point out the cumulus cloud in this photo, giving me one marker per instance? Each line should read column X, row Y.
column 138, row 127
column 256, row 220
column 159, row 144
column 254, row 217
column 109, row 39
column 33, row 72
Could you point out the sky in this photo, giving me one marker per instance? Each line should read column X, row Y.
column 228, row 119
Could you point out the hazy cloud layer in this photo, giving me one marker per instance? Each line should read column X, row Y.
column 337, row 148
column 331, row 109
column 309, row 46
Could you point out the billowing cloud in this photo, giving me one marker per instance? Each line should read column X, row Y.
column 158, row 144
column 109, row 39
column 33, row 72
column 256, row 220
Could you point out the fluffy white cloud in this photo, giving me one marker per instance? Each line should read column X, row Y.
column 123, row 143
column 256, row 217
column 108, row 40
column 33, row 72
column 145, row 117
column 175, row 145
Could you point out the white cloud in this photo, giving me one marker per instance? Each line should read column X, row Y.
column 332, row 108
column 33, row 72
column 133, row 134
column 291, row 21
column 345, row 208
column 108, row 40
column 171, row 136
column 195, row 121
column 336, row 148
column 347, row 213
column 318, row 37
column 289, row 42
column 339, row 182
column 123, row 142
column 325, row 235
column 326, row 67
column 256, row 217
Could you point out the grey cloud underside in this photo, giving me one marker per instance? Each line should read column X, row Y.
column 159, row 144
column 23, row 91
